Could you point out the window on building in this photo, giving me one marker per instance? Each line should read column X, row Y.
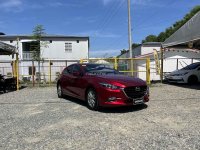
column 68, row 47
column 31, row 70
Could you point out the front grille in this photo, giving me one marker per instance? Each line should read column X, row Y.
column 135, row 92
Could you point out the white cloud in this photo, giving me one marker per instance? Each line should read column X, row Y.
column 11, row 5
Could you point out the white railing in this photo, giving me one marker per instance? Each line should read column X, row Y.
column 27, row 55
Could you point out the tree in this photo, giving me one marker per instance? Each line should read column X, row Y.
column 150, row 38
column 123, row 51
column 134, row 45
column 171, row 30
column 38, row 45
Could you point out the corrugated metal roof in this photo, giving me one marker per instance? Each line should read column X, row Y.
column 6, row 49
column 189, row 32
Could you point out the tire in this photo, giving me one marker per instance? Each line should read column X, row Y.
column 192, row 80
column 59, row 91
column 91, row 99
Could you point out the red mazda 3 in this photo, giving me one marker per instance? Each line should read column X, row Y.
column 100, row 85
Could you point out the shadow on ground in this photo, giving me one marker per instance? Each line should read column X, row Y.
column 11, row 90
column 109, row 109
column 188, row 86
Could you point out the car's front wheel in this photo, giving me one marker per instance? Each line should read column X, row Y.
column 59, row 91
column 91, row 99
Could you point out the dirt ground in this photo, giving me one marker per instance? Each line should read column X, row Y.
column 34, row 118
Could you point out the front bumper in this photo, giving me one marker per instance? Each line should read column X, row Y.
column 115, row 98
column 175, row 79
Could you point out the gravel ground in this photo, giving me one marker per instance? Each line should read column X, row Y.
column 34, row 118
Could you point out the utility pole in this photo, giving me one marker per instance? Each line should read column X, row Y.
column 129, row 28
column 130, row 35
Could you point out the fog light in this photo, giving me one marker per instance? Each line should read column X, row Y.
column 111, row 99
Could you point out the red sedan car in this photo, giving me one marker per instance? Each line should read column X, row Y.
column 100, row 85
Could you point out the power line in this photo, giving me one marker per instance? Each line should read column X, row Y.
column 110, row 16
column 142, row 20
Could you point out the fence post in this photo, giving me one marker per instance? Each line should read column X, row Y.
column 81, row 61
column 14, row 68
column 115, row 65
column 17, row 70
column 132, row 68
column 33, row 74
column 148, row 71
column 49, row 72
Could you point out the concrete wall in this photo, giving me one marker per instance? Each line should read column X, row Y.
column 146, row 50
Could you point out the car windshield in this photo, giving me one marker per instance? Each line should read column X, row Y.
column 99, row 69
column 191, row 66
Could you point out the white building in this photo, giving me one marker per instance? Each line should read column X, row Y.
column 174, row 58
column 58, row 47
column 61, row 50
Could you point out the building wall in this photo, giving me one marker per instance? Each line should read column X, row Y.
column 146, row 50
column 56, row 49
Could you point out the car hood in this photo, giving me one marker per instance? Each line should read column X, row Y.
column 125, row 80
column 178, row 72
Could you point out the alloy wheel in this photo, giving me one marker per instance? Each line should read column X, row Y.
column 92, row 100
column 59, row 91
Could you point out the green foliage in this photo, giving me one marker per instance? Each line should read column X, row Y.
column 150, row 38
column 134, row 45
column 37, row 45
column 169, row 31
column 123, row 51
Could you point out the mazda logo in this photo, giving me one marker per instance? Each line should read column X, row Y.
column 137, row 89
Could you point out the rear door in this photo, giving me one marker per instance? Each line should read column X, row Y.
column 78, row 82
column 65, row 80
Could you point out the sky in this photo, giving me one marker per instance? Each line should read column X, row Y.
column 104, row 21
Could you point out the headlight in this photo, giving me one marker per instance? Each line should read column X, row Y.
column 110, row 86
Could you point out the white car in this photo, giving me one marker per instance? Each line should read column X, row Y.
column 189, row 74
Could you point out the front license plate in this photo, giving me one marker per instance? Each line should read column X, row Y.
column 138, row 101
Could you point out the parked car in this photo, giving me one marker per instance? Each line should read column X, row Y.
column 189, row 74
column 100, row 85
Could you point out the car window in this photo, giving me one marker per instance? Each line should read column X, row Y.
column 68, row 70
column 99, row 69
column 191, row 66
column 76, row 68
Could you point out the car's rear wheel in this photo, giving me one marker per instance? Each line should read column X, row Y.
column 192, row 80
column 91, row 99
column 59, row 91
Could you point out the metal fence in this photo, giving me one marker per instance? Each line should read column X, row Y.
column 127, row 66
column 29, row 70
column 50, row 70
